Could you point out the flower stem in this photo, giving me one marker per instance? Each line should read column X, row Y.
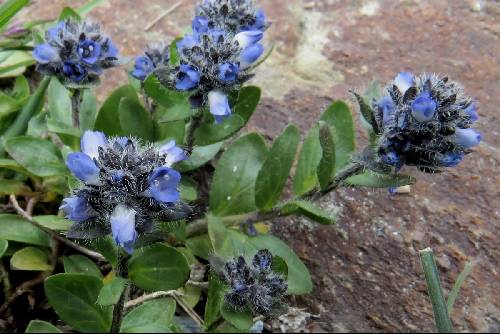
column 195, row 123
column 76, row 101
column 119, row 309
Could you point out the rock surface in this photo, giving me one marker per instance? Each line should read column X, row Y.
column 366, row 270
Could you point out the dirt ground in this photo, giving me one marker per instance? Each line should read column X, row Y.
column 366, row 271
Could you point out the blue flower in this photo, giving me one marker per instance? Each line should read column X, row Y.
column 55, row 33
column 110, row 49
column 117, row 176
column 466, row 138
column 163, row 183
column 200, row 24
column 74, row 71
column 143, row 67
column 263, row 260
column 424, row 107
column 250, row 54
column 387, row 106
column 260, row 21
column 172, row 153
column 471, row 111
column 450, row 159
column 83, row 167
column 89, row 51
column 188, row 77
column 248, row 38
column 44, row 54
column 77, row 209
column 219, row 105
column 228, row 72
column 187, row 42
column 404, row 81
column 91, row 141
column 123, row 227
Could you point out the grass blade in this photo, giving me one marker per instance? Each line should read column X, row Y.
column 458, row 284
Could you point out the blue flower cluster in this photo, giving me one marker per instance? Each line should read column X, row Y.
column 125, row 188
column 425, row 121
column 256, row 287
column 216, row 59
column 152, row 59
column 75, row 52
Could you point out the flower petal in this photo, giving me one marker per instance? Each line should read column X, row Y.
column 424, row 107
column 467, row 138
column 123, row 227
column 163, row 185
column 404, row 81
column 91, row 141
column 219, row 104
column 248, row 38
column 83, row 167
column 44, row 54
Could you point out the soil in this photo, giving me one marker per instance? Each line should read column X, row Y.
column 366, row 270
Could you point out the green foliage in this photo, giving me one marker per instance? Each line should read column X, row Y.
column 276, row 168
column 244, row 108
column 38, row 326
column 158, row 267
column 310, row 156
column 151, row 317
column 241, row 319
column 108, row 118
column 79, row 264
column 30, row 258
column 135, row 120
column 214, row 300
column 307, row 209
column 15, row 228
column 111, row 292
column 4, row 244
column 326, row 167
column 375, row 180
column 9, row 9
column 233, row 187
column 200, row 156
column 74, row 298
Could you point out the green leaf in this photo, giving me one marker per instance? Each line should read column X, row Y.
column 200, row 156
column 158, row 267
column 452, row 296
column 367, row 112
column 279, row 266
column 111, row 292
column 151, row 317
column 233, row 186
column 37, row 126
column 175, row 104
column 214, row 300
column 79, row 264
column 9, row 9
column 63, row 128
column 200, row 246
column 88, row 110
column 307, row 209
column 21, row 89
column 13, row 166
column 226, row 243
column 38, row 156
column 188, row 189
column 375, row 180
column 242, row 320
column 174, row 54
column 275, row 170
column 247, row 102
column 339, row 117
column 135, row 120
column 39, row 326
column 8, row 106
column 170, row 131
column 299, row 280
column 4, row 244
column 69, row 13
column 326, row 168
column 59, row 102
column 30, row 258
column 108, row 119
column 14, row 63
column 15, row 228
column 32, row 107
column 91, row 4
column 107, row 247
column 441, row 316
column 53, row 222
column 15, row 187
column 73, row 297
column 310, row 156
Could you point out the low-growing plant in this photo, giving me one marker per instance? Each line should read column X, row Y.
column 157, row 200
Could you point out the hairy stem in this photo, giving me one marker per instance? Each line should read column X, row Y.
column 195, row 123
column 200, row 226
column 76, row 101
column 119, row 309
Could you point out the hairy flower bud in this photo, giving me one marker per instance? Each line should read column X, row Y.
column 152, row 59
column 254, row 286
column 126, row 188
column 75, row 52
column 424, row 121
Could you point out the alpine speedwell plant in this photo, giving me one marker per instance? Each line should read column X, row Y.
column 126, row 188
column 154, row 200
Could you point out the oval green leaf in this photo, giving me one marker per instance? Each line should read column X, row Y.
column 108, row 119
column 15, row 228
column 135, row 121
column 39, row 326
column 375, row 180
column 30, row 258
column 79, row 264
column 151, row 317
column 310, row 156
